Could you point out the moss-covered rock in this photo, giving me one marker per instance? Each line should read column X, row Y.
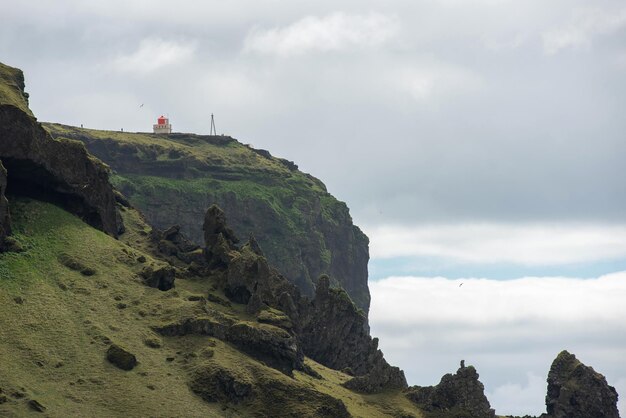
column 578, row 391
column 121, row 358
column 459, row 395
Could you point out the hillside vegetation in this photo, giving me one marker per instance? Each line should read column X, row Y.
column 57, row 323
column 172, row 179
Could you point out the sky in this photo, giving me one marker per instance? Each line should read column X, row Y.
column 476, row 142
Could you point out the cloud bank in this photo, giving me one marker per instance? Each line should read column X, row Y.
column 521, row 243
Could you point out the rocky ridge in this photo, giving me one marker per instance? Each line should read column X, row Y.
column 457, row 395
column 330, row 328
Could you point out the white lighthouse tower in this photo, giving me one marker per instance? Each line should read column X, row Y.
column 162, row 126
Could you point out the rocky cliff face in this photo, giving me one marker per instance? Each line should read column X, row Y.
column 457, row 395
column 329, row 329
column 59, row 171
column 578, row 391
column 304, row 231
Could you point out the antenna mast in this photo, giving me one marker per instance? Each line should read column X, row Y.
column 213, row 131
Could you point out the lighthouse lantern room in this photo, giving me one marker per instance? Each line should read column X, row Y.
column 162, row 126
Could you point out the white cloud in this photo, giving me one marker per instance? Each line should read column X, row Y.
column 510, row 330
column 334, row 32
column 519, row 396
column 527, row 244
column 584, row 25
column 424, row 82
column 153, row 54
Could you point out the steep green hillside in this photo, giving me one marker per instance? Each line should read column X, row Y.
column 303, row 230
column 75, row 291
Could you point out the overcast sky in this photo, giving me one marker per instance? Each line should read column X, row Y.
column 471, row 139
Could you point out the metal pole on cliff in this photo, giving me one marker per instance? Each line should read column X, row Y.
column 213, row 131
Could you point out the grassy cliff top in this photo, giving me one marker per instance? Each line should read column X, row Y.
column 12, row 88
column 199, row 153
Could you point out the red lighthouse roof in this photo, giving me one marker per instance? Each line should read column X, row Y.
column 162, row 120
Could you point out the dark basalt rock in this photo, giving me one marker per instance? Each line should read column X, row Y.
column 121, row 358
column 161, row 278
column 5, row 219
column 73, row 264
column 271, row 345
column 217, row 384
column 173, row 243
column 272, row 397
column 59, row 171
column 578, row 391
column 330, row 329
column 458, row 395
column 334, row 333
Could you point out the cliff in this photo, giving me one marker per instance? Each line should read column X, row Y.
column 304, row 231
column 59, row 171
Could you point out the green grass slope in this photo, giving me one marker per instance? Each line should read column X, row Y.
column 56, row 324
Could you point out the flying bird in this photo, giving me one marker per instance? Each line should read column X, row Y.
column 141, row 105
column 461, row 285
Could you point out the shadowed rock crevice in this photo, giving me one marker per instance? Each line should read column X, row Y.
column 32, row 180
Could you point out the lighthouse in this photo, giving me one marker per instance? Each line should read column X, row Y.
column 162, row 126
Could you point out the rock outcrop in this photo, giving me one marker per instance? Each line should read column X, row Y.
column 5, row 219
column 121, row 358
column 215, row 382
column 304, row 231
column 60, row 171
column 330, row 329
column 334, row 333
column 578, row 391
column 457, row 395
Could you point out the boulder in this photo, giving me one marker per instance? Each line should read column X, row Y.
column 578, row 391
column 215, row 383
column 121, row 358
column 161, row 277
column 459, row 395
column 271, row 345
